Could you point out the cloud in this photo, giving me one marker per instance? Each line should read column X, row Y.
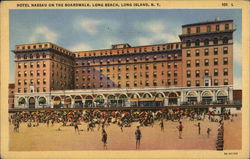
column 43, row 33
column 80, row 47
column 91, row 26
column 156, row 32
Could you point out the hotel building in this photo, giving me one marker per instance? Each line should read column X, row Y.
column 196, row 70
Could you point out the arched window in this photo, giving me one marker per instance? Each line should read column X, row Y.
column 188, row 43
column 206, row 42
column 197, row 42
column 225, row 40
column 215, row 41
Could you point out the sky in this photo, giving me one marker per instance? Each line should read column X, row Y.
column 88, row 29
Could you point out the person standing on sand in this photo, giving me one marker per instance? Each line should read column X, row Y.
column 138, row 137
column 162, row 125
column 199, row 128
column 180, row 128
column 104, row 139
column 208, row 132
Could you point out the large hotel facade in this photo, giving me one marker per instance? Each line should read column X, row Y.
column 196, row 70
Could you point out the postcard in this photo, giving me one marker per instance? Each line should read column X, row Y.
column 124, row 79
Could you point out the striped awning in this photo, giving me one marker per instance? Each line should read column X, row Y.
column 147, row 99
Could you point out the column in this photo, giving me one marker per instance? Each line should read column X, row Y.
column 128, row 102
column 83, row 103
column 166, row 101
column 72, row 103
column 105, row 102
column 230, row 95
column 199, row 98
column 214, row 96
column 16, row 102
column 36, row 102
column 27, row 103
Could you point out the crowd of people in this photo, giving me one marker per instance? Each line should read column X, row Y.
column 96, row 119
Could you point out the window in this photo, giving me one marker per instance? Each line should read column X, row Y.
column 19, row 82
column 31, row 65
column 188, row 63
column 44, row 64
column 175, row 65
column 197, row 83
column 31, row 56
column 206, row 72
column 127, row 76
column 197, row 63
column 19, row 74
column 38, row 81
column 206, row 42
column 197, row 52
column 225, row 40
column 207, row 83
column 169, row 82
column 146, row 74
column 197, row 42
column 31, row 73
column 225, row 71
column 38, row 73
column 19, row 90
column 146, row 83
column 44, row 89
column 175, row 73
column 25, row 82
column 197, row 29
column 226, row 26
column 154, row 83
column 147, row 66
column 188, row 73
column 188, row 30
column 25, row 65
column 206, row 52
column 206, row 61
column 225, row 50
column 188, row 43
column 225, row 61
column 135, row 76
column 175, row 81
column 215, row 51
column 19, row 65
column 215, row 41
column 25, row 73
column 208, row 28
column 215, row 72
column 215, row 61
column 155, row 75
column 188, row 83
column 155, row 67
column 169, row 65
column 38, row 65
column 225, row 82
column 216, row 82
column 25, row 90
column 44, row 81
column 217, row 28
column 44, row 72
column 197, row 73
column 135, row 84
column 169, row 74
column 188, row 53
column 135, row 67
